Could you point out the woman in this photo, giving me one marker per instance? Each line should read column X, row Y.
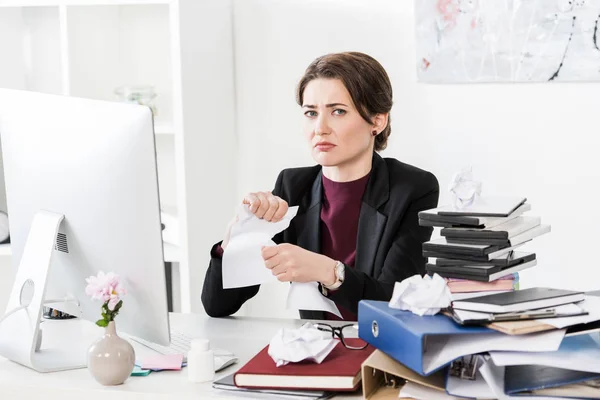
column 357, row 230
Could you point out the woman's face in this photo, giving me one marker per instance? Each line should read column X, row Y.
column 334, row 130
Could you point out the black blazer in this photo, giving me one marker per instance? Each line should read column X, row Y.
column 388, row 246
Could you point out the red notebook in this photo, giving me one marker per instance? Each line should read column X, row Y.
column 340, row 371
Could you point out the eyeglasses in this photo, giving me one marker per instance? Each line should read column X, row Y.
column 346, row 334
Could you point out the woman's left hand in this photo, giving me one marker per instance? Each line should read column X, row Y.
column 291, row 263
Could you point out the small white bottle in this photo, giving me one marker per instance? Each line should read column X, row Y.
column 200, row 361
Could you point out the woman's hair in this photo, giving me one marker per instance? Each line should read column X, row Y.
column 364, row 78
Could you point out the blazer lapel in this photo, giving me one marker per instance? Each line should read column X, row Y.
column 371, row 222
column 308, row 225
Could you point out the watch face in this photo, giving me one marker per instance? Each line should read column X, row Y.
column 339, row 271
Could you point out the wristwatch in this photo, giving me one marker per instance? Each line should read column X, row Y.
column 339, row 269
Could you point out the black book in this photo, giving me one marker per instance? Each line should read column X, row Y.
column 505, row 231
column 458, row 272
column 441, row 245
column 227, row 383
column 435, row 224
column 438, row 220
column 439, row 217
column 520, row 300
column 507, row 260
column 525, row 379
column 501, row 243
column 497, row 206
column 476, row 269
column 467, row 257
column 483, row 274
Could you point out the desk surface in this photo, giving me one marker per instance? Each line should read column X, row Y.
column 242, row 335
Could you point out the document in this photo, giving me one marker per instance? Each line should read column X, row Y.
column 591, row 304
column 442, row 349
column 413, row 390
column 306, row 296
column 244, row 266
column 578, row 353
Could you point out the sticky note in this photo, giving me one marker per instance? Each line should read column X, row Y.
column 163, row 362
column 137, row 371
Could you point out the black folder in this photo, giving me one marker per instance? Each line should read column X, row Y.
column 526, row 379
column 476, row 271
column 507, row 260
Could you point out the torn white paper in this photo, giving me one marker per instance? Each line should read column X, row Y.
column 242, row 263
column 464, row 188
column 306, row 296
column 305, row 343
column 244, row 266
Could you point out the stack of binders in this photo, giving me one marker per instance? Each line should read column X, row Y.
column 478, row 248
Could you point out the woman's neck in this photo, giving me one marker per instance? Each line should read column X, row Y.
column 350, row 171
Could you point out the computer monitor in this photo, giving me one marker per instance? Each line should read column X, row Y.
column 95, row 163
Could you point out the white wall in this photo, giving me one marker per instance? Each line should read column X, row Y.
column 536, row 140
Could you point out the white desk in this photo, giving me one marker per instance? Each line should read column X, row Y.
column 244, row 336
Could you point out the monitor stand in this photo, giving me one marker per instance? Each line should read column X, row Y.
column 49, row 345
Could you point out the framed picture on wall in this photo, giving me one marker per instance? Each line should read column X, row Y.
column 462, row 41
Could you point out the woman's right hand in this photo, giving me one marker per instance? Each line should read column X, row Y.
column 265, row 206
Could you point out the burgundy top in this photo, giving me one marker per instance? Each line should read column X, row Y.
column 339, row 224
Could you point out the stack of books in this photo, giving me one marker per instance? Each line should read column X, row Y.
column 531, row 304
column 478, row 248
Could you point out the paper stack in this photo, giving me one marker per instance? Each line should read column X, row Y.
column 478, row 248
column 435, row 357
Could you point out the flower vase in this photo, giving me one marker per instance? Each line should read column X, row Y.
column 111, row 359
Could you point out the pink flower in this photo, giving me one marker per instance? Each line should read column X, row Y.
column 105, row 287
column 449, row 10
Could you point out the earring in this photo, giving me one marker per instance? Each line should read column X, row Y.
column 374, row 133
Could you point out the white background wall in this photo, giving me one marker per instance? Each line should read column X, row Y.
column 536, row 140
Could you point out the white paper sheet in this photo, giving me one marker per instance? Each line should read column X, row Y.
column 243, row 264
column 578, row 353
column 306, row 296
column 559, row 322
column 442, row 349
column 591, row 304
column 413, row 390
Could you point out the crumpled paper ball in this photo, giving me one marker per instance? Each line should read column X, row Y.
column 421, row 295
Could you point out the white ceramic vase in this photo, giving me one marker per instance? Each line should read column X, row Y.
column 111, row 359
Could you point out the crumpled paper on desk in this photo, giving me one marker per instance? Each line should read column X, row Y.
column 464, row 188
column 421, row 295
column 244, row 266
column 305, row 343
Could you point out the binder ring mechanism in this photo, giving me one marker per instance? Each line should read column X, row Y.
column 389, row 380
column 393, row 381
column 465, row 367
column 375, row 328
